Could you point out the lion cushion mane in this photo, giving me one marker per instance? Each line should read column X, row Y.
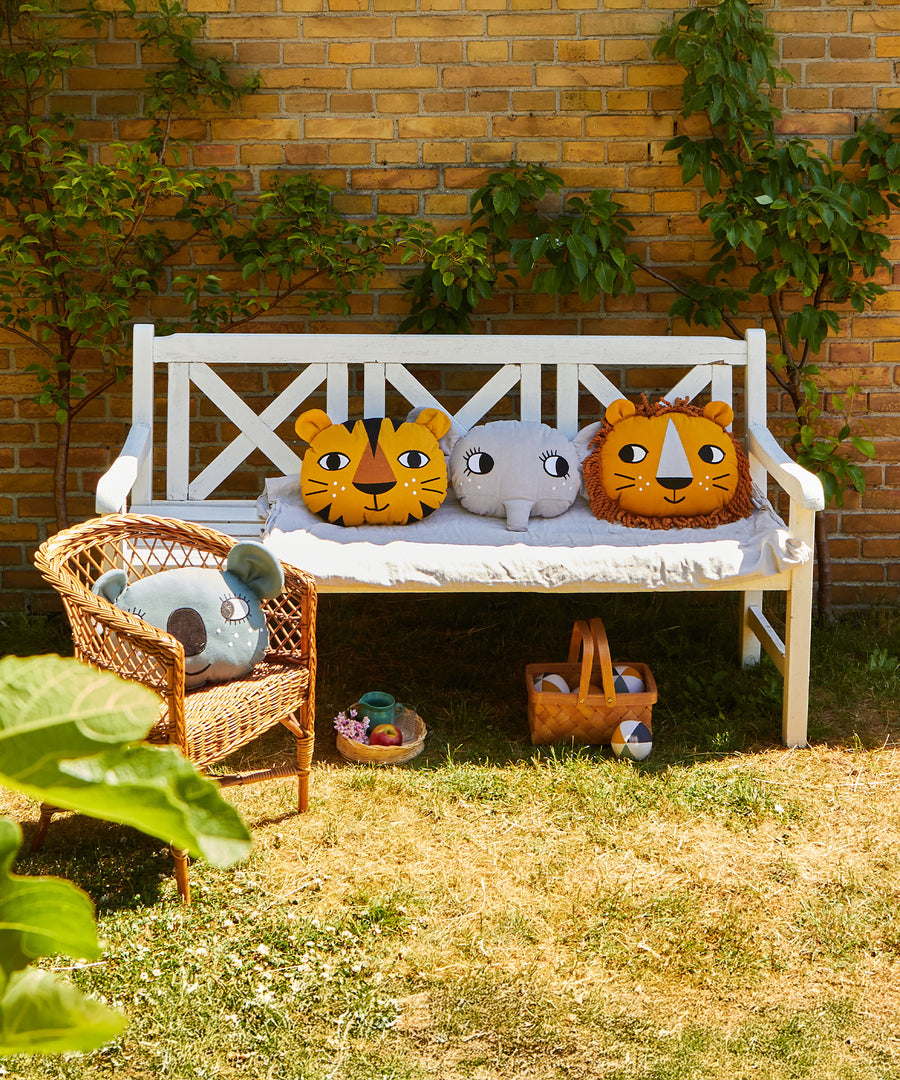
column 665, row 466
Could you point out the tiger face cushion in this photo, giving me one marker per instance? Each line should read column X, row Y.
column 374, row 471
column 665, row 466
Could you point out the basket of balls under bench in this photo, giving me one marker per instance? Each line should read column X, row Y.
column 602, row 700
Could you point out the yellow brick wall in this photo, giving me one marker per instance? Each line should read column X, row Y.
column 406, row 104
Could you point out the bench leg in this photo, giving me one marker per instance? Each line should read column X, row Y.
column 797, row 641
column 750, row 645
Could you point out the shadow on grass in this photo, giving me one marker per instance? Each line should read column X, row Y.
column 118, row 867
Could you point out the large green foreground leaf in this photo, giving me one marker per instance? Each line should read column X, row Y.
column 42, row 916
column 40, row 1014
column 39, row 916
column 67, row 737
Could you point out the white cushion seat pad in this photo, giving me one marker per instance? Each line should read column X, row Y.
column 454, row 548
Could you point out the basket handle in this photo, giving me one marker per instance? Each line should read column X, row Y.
column 589, row 638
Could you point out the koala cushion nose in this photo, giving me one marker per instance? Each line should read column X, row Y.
column 187, row 625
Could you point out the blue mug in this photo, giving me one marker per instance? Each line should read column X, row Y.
column 380, row 708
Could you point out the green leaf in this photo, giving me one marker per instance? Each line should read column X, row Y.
column 41, row 1014
column 39, row 916
column 43, row 916
column 68, row 737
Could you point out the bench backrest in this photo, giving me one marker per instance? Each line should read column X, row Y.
column 523, row 366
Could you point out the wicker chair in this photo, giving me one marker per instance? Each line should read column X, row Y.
column 210, row 723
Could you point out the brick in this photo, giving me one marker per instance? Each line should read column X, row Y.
column 656, row 74
column 279, row 29
column 315, row 78
column 441, row 52
column 544, row 153
column 533, row 101
column 531, row 51
column 439, row 26
column 487, row 52
column 618, row 51
column 518, row 26
column 496, row 152
column 356, row 52
column 493, row 75
column 817, row 124
column 391, row 53
column 392, row 78
column 389, row 179
column 345, row 29
column 238, row 129
column 18, row 531
column 605, row 25
column 347, row 128
column 638, row 127
column 838, row 72
column 525, row 126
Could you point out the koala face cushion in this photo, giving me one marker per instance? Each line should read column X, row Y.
column 515, row 469
column 215, row 614
column 374, row 471
column 665, row 466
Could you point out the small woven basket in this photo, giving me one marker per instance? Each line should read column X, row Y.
column 412, row 728
column 592, row 713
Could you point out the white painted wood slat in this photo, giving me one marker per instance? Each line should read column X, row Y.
column 178, row 432
column 236, row 410
column 239, row 449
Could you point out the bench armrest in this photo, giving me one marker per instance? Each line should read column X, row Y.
column 801, row 485
column 116, row 483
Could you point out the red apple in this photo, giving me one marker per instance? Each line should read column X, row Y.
column 385, row 735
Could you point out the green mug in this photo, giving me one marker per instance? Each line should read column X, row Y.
column 380, row 708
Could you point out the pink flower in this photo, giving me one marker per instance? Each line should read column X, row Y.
column 351, row 728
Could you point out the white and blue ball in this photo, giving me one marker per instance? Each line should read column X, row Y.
column 627, row 679
column 632, row 740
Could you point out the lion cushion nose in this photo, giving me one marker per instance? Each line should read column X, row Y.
column 187, row 625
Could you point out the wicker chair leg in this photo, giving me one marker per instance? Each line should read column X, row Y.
column 181, row 873
column 40, row 833
column 304, row 763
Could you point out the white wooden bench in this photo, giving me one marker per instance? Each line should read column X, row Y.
column 565, row 381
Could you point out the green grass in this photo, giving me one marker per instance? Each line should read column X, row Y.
column 726, row 908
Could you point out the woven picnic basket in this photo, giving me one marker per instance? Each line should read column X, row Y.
column 591, row 713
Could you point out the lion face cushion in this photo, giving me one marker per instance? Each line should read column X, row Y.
column 665, row 466
column 215, row 614
column 373, row 471
column 515, row 469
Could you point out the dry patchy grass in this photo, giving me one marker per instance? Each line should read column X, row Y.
column 727, row 908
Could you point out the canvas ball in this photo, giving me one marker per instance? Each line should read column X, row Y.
column 632, row 740
column 627, row 680
column 551, row 684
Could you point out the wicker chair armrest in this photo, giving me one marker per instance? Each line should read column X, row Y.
column 116, row 640
column 291, row 616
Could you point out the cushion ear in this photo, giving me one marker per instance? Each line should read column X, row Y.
column 582, row 441
column 310, row 423
column 110, row 585
column 620, row 409
column 257, row 568
column 437, row 422
column 719, row 412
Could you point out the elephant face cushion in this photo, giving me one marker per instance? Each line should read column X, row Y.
column 373, row 471
column 665, row 466
column 215, row 614
column 515, row 469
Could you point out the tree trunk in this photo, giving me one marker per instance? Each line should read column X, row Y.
column 61, row 473
column 824, row 594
